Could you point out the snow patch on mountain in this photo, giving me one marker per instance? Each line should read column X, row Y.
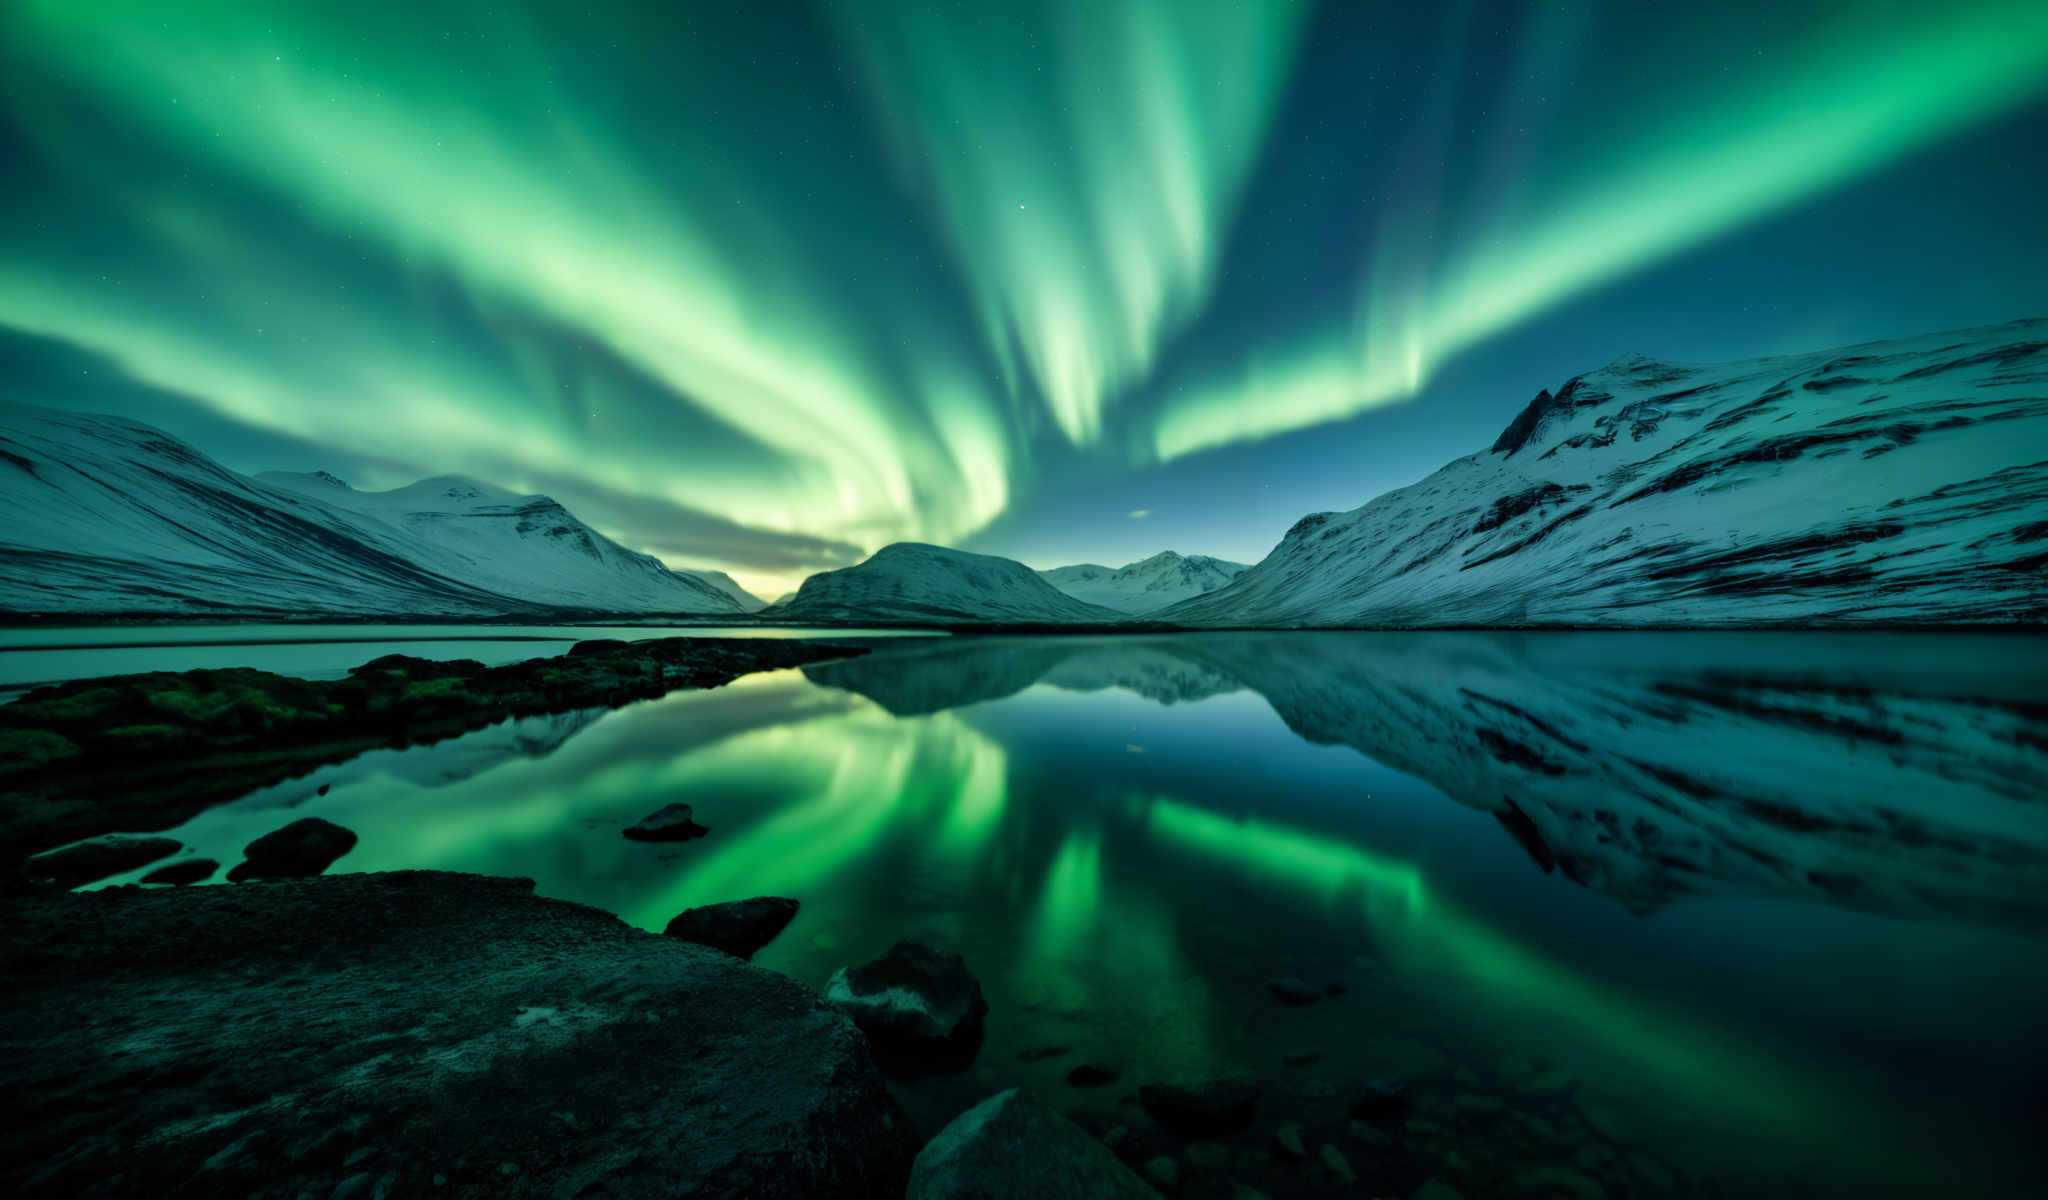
column 1147, row 585
column 910, row 582
column 1893, row 482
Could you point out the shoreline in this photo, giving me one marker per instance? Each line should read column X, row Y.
column 144, row 752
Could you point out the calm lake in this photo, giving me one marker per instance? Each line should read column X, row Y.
column 1734, row 914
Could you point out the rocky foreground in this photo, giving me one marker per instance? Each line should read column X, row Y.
column 417, row 1033
column 146, row 752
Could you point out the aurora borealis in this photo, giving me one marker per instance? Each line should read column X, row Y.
column 763, row 287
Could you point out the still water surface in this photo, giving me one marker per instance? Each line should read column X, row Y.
column 1734, row 914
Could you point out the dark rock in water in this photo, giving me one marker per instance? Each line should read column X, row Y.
column 1380, row 1102
column 421, row 1024
column 1011, row 1147
column 1293, row 991
column 1041, row 1053
column 1336, row 987
column 323, row 789
column 739, row 927
column 89, row 862
column 920, row 1007
column 301, row 849
column 1089, row 1075
column 1215, row 1109
column 671, row 824
column 1162, row 1171
column 186, row 870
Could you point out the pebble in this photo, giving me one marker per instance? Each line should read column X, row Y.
column 1433, row 1190
column 1293, row 991
column 1334, row 1159
column 1287, row 1140
column 1163, row 1173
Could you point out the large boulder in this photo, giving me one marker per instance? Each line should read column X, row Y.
column 920, row 1008
column 1011, row 1147
column 412, row 1034
column 672, row 823
column 738, row 927
column 301, row 849
column 90, row 862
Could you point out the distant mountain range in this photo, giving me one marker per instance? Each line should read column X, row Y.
column 1146, row 586
column 912, row 583
column 1901, row 482
column 1893, row 482
column 100, row 514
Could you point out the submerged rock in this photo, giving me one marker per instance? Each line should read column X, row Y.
column 739, row 927
column 1294, row 991
column 1090, row 1075
column 1214, row 1109
column 1380, row 1103
column 1287, row 1142
column 304, row 848
column 440, row 1034
column 1011, row 1147
column 1162, row 1171
column 920, row 1007
column 186, row 870
column 90, row 862
column 672, row 823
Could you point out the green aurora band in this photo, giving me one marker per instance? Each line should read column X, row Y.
column 863, row 297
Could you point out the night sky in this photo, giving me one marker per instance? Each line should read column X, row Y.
column 765, row 286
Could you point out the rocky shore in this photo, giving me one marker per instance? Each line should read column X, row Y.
column 132, row 753
column 417, row 1033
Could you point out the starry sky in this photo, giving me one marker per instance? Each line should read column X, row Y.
column 764, row 286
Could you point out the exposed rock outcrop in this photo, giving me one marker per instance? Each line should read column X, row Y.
column 417, row 1033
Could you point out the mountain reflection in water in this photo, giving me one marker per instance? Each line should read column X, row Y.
column 1799, row 949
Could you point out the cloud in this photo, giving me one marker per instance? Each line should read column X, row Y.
column 1139, row 514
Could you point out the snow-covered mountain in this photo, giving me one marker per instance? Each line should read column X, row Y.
column 1892, row 482
column 1145, row 586
column 101, row 514
column 912, row 583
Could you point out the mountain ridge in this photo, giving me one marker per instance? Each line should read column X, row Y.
column 1144, row 586
column 106, row 515
column 1657, row 494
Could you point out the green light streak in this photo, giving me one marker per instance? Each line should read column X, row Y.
column 1471, row 964
column 1085, row 158
column 1876, row 86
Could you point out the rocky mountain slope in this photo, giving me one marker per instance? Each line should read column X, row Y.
column 100, row 514
column 1145, row 586
column 912, row 583
column 1893, row 482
